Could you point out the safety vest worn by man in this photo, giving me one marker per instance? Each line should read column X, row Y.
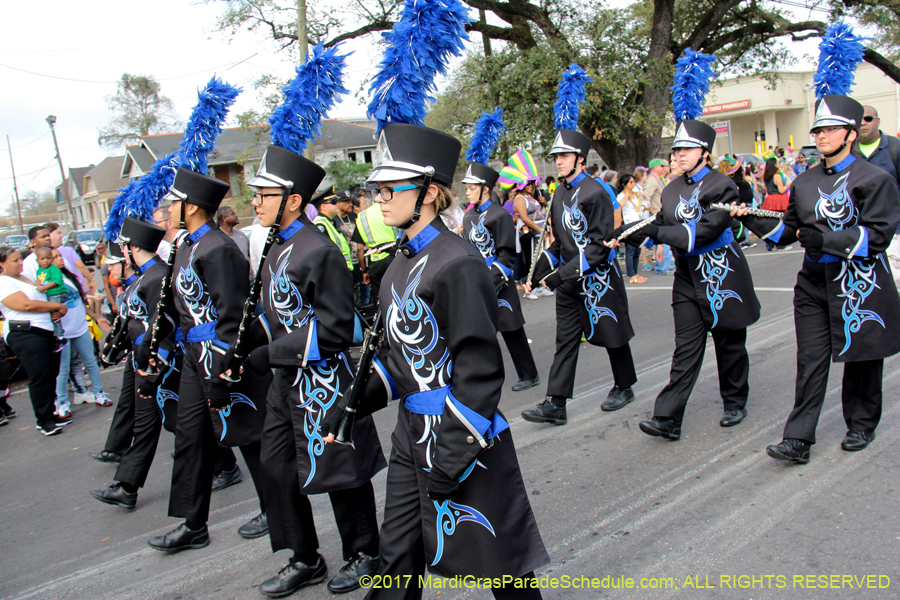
column 337, row 237
column 374, row 233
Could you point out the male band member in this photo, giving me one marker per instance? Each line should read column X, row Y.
column 307, row 296
column 491, row 229
column 713, row 290
column 208, row 303
column 590, row 293
column 139, row 305
column 844, row 212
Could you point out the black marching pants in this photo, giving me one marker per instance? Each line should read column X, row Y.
column 35, row 351
column 402, row 544
column 196, row 453
column 569, row 331
column 732, row 361
column 147, row 419
column 520, row 352
column 291, row 523
column 861, row 393
column 121, row 430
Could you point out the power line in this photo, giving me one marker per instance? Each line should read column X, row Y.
column 42, row 136
column 115, row 82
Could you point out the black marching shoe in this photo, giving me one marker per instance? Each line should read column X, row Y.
column 294, row 576
column 106, row 456
column 258, row 526
column 348, row 577
column 223, row 479
column 116, row 496
column 732, row 417
column 551, row 410
column 181, row 538
column 857, row 440
column 617, row 398
column 663, row 427
column 527, row 384
column 795, row 451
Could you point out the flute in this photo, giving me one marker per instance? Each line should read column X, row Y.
column 755, row 212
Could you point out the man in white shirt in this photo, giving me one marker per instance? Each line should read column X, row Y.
column 41, row 236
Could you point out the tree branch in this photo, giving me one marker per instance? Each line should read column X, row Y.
column 379, row 25
column 886, row 66
column 705, row 26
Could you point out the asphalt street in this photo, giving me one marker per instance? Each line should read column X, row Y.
column 709, row 516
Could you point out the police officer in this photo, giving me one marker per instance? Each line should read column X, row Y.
column 326, row 203
column 376, row 246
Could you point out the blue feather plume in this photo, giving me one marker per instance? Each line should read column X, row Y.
column 489, row 128
column 692, row 74
column 570, row 93
column 839, row 52
column 308, row 98
column 141, row 196
column 428, row 33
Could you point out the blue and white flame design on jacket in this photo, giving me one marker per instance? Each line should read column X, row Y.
column 574, row 221
column 593, row 288
column 713, row 269
column 451, row 514
column 284, row 296
column 199, row 305
column 837, row 207
column 856, row 279
column 164, row 395
column 481, row 237
column 135, row 307
column 689, row 210
column 320, row 387
column 226, row 412
column 412, row 327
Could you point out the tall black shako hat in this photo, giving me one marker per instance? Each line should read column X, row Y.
column 406, row 151
column 569, row 140
column 285, row 169
column 142, row 234
column 834, row 110
column 194, row 188
column 694, row 134
column 479, row 174
column 114, row 253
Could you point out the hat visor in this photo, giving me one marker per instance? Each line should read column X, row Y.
column 392, row 174
column 688, row 144
column 473, row 180
column 831, row 121
column 564, row 150
column 260, row 181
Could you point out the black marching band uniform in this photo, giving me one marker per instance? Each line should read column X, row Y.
column 491, row 229
column 846, row 306
column 307, row 295
column 441, row 358
column 590, row 292
column 157, row 406
column 208, row 304
column 712, row 291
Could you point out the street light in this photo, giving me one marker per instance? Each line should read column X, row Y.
column 52, row 121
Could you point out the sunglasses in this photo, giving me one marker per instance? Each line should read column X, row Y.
column 869, row 118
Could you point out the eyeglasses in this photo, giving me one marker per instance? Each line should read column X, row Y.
column 258, row 198
column 826, row 130
column 869, row 118
column 387, row 193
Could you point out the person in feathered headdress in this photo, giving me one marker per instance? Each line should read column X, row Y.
column 590, row 293
column 493, row 232
column 455, row 502
column 713, row 290
column 146, row 404
column 302, row 337
column 844, row 211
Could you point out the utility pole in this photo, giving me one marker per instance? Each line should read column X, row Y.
column 52, row 121
column 15, row 188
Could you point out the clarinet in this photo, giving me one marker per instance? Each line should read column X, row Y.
column 755, row 212
column 116, row 342
column 237, row 349
column 161, row 310
column 371, row 340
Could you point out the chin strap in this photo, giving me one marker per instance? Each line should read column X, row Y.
column 417, row 211
column 842, row 146
column 181, row 224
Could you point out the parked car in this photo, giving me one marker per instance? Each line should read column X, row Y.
column 84, row 241
column 17, row 241
column 809, row 151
